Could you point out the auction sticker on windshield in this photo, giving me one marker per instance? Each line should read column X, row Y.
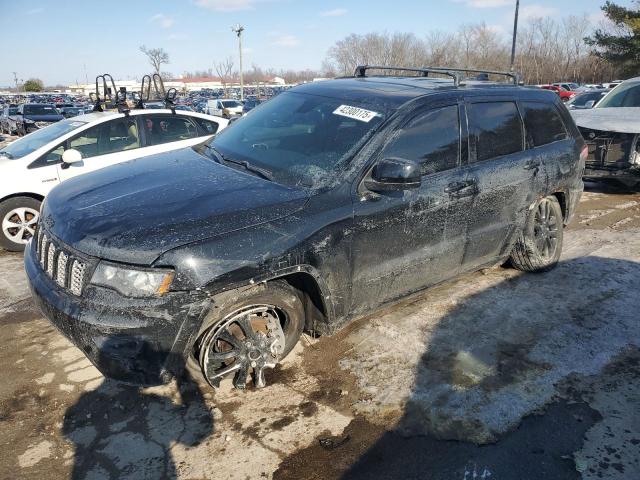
column 355, row 112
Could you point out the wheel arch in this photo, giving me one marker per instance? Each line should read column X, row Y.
column 35, row 196
column 561, row 196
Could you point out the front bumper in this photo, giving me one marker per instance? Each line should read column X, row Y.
column 138, row 341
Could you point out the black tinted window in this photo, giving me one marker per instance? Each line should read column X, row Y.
column 432, row 139
column 497, row 128
column 543, row 123
column 168, row 128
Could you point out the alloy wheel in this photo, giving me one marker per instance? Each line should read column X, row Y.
column 545, row 229
column 251, row 339
column 19, row 224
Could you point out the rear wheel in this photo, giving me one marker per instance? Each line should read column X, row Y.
column 539, row 245
column 18, row 217
column 247, row 335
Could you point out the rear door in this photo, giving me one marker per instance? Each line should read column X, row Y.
column 406, row 240
column 505, row 175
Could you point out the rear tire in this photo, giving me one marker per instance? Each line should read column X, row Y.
column 539, row 245
column 18, row 219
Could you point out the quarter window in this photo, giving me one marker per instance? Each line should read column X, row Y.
column 497, row 129
column 543, row 123
column 432, row 139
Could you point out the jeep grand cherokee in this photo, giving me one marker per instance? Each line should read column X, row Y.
column 327, row 201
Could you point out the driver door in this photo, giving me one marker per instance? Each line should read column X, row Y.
column 406, row 240
column 105, row 144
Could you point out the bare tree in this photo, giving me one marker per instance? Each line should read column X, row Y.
column 224, row 70
column 156, row 56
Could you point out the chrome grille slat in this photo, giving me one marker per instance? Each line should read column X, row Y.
column 77, row 277
column 61, row 275
column 51, row 260
column 43, row 251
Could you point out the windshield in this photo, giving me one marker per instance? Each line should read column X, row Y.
column 40, row 110
column 39, row 138
column 624, row 95
column 582, row 99
column 13, row 110
column 230, row 104
column 299, row 138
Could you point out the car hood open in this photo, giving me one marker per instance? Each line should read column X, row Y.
column 611, row 119
column 135, row 211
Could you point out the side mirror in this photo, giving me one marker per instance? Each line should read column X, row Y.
column 392, row 174
column 71, row 156
column 590, row 104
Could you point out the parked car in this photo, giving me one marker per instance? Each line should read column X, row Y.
column 224, row 107
column 568, row 86
column 564, row 95
column 8, row 122
column 33, row 116
column 185, row 108
column 612, row 132
column 68, row 112
column 327, row 201
column 31, row 166
column 249, row 104
column 587, row 99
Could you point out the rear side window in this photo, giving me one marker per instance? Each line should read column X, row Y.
column 497, row 129
column 168, row 128
column 543, row 123
column 432, row 139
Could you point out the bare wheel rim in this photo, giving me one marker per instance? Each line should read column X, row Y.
column 545, row 229
column 248, row 340
column 19, row 224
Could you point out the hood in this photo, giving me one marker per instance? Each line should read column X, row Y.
column 135, row 211
column 44, row 118
column 612, row 119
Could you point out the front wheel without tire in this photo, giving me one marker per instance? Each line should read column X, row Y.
column 250, row 334
column 18, row 217
column 539, row 245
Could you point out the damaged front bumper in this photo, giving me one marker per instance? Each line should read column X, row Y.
column 612, row 155
column 138, row 341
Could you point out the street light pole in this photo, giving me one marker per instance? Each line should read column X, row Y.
column 238, row 29
column 515, row 35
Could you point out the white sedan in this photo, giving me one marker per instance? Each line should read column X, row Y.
column 31, row 166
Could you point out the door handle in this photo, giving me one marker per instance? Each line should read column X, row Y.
column 461, row 189
column 532, row 164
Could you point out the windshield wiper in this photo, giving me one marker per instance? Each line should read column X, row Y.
column 262, row 172
column 6, row 154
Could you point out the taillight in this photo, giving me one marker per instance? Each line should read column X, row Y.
column 584, row 153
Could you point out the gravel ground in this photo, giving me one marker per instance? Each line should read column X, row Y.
column 494, row 375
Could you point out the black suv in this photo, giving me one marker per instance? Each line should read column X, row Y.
column 327, row 201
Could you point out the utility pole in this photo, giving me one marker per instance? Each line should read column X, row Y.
column 15, row 79
column 238, row 29
column 515, row 35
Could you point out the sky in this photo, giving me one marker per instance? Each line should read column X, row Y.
column 67, row 41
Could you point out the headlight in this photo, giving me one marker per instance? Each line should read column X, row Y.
column 132, row 282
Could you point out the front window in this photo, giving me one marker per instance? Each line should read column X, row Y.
column 40, row 110
column 624, row 95
column 301, row 139
column 39, row 138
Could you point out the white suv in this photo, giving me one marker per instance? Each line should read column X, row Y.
column 31, row 166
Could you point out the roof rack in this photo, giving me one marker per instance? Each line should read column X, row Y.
column 450, row 72
column 112, row 98
column 362, row 69
column 167, row 96
column 515, row 77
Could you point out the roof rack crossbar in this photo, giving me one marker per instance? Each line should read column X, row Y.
column 362, row 69
column 513, row 75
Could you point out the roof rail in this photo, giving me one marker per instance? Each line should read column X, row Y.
column 451, row 72
column 513, row 75
column 362, row 69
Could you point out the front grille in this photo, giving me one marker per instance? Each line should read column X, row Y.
column 64, row 267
